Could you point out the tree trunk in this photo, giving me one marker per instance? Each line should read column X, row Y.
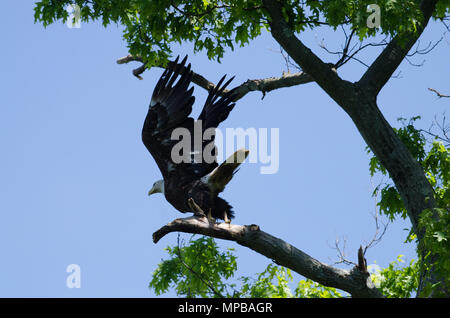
column 407, row 174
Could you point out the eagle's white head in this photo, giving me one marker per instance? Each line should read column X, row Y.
column 158, row 187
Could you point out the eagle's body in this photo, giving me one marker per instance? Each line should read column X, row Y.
column 169, row 109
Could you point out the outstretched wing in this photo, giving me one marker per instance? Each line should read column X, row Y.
column 169, row 108
column 217, row 107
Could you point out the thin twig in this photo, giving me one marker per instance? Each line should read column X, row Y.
column 443, row 133
column 438, row 94
column 425, row 50
column 380, row 230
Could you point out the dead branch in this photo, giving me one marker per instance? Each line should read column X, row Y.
column 380, row 230
column 437, row 93
column 443, row 130
column 261, row 85
column 341, row 252
column 362, row 263
column 354, row 281
column 196, row 78
column 348, row 52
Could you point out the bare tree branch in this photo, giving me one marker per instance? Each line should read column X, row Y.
column 342, row 259
column 380, row 230
column 324, row 74
column 380, row 226
column 430, row 47
column 443, row 133
column 437, row 93
column 262, row 85
column 287, row 61
column 348, row 52
column 354, row 281
column 362, row 263
column 196, row 78
column 269, row 84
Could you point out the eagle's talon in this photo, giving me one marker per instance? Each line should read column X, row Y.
column 226, row 219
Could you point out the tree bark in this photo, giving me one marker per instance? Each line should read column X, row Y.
column 356, row 281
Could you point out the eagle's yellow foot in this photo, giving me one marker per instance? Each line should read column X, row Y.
column 226, row 219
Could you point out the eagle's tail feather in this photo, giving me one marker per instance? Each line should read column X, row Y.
column 223, row 174
column 221, row 209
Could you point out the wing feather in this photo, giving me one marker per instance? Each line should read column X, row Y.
column 170, row 107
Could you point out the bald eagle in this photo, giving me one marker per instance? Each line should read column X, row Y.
column 190, row 181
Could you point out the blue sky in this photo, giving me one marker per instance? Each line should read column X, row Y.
column 74, row 172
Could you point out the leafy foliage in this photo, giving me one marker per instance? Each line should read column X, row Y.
column 188, row 266
column 199, row 269
column 396, row 281
column 273, row 282
column 152, row 27
column 309, row 289
column 436, row 239
column 435, row 160
column 391, row 203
